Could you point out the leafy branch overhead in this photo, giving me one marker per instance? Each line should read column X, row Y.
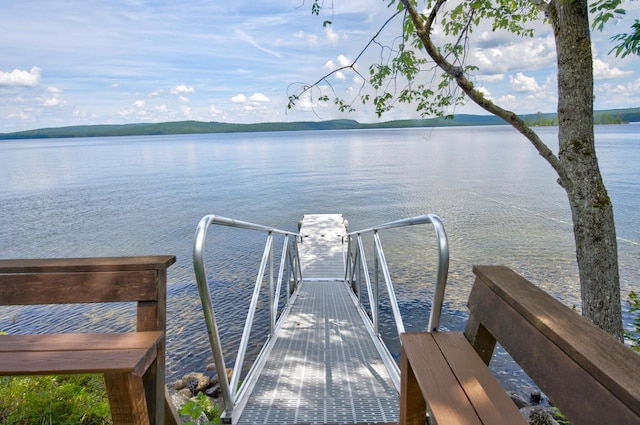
column 404, row 74
column 606, row 10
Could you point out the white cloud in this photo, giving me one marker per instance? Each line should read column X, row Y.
column 21, row 78
column 515, row 54
column 332, row 36
column 603, row 71
column 507, row 98
column 259, row 97
column 522, row 83
column 22, row 115
column 485, row 92
column 53, row 97
column 240, row 98
column 344, row 61
column 162, row 108
column 51, row 101
column 213, row 111
column 182, row 89
column 312, row 39
column 618, row 95
column 139, row 103
column 186, row 111
column 494, row 78
column 241, row 35
column 183, row 99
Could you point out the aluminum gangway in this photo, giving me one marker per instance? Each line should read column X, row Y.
column 324, row 361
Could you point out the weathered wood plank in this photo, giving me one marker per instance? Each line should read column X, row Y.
column 487, row 397
column 71, row 362
column 82, row 341
column 89, row 264
column 440, row 387
column 558, row 349
column 79, row 287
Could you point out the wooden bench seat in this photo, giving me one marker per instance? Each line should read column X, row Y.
column 132, row 362
column 445, row 370
column 78, row 353
column 591, row 377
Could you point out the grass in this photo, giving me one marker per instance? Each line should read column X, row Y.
column 54, row 400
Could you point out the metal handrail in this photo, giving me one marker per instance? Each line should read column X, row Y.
column 356, row 266
column 289, row 268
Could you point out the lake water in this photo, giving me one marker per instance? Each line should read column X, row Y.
column 497, row 197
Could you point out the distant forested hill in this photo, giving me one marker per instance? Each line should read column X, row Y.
column 194, row 127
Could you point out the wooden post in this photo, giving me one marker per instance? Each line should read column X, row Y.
column 413, row 408
column 480, row 338
column 152, row 316
column 126, row 398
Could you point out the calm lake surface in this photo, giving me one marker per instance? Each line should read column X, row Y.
column 497, row 197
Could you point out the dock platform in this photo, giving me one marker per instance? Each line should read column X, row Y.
column 324, row 366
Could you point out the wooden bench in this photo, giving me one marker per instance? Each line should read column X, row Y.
column 132, row 362
column 591, row 377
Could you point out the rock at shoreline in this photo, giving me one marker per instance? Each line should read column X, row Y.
column 538, row 415
column 193, row 383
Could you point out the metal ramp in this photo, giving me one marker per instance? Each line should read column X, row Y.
column 324, row 361
column 324, row 366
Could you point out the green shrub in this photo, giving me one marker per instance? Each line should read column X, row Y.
column 198, row 405
column 54, row 400
column 634, row 308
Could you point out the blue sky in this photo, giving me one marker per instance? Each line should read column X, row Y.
column 65, row 62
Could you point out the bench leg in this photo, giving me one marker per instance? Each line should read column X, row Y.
column 127, row 399
column 413, row 408
column 480, row 338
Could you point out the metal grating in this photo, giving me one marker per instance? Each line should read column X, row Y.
column 324, row 367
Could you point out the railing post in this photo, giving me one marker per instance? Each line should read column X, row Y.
column 272, row 315
column 376, row 291
column 288, row 267
column 209, row 315
column 443, row 271
column 359, row 265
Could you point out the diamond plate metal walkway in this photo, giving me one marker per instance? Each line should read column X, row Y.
column 324, row 367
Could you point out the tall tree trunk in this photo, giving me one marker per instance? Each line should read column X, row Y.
column 593, row 223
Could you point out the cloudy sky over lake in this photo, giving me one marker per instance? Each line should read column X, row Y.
column 65, row 62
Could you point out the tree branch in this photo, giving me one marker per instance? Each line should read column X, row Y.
column 423, row 29
column 308, row 87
